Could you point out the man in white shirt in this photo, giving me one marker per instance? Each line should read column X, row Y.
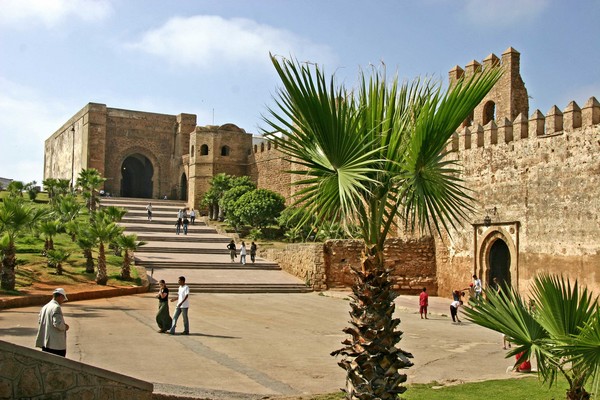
column 52, row 330
column 183, row 303
column 477, row 287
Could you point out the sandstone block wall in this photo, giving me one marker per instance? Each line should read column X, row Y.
column 27, row 374
column 537, row 179
column 328, row 265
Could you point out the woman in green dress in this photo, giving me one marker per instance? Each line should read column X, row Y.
column 163, row 319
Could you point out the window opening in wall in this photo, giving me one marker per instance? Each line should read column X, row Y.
column 469, row 121
column 192, row 153
column 489, row 112
column 225, row 150
column 204, row 150
column 262, row 147
column 269, row 146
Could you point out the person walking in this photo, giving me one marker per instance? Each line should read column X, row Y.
column 149, row 209
column 183, row 303
column 186, row 222
column 253, row 248
column 243, row 253
column 232, row 252
column 423, row 303
column 178, row 225
column 193, row 216
column 163, row 318
column 52, row 329
column 477, row 288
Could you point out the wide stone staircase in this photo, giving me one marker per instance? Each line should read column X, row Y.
column 201, row 255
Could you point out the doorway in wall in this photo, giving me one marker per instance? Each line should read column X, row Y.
column 136, row 177
column 499, row 263
column 183, row 187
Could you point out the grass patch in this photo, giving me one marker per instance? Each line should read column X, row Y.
column 529, row 388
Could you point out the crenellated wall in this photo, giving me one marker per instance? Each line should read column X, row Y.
column 537, row 179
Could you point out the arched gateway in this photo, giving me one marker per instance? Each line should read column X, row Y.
column 136, row 176
column 496, row 252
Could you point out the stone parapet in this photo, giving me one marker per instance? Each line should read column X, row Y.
column 32, row 374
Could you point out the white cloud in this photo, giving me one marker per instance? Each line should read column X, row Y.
column 206, row 41
column 26, row 120
column 22, row 14
column 503, row 12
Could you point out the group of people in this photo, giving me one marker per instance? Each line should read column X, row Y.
column 183, row 218
column 457, row 299
column 163, row 316
column 243, row 252
column 183, row 221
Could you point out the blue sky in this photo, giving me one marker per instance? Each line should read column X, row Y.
column 210, row 58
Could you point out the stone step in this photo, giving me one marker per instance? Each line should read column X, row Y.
column 240, row 288
column 128, row 201
column 164, row 229
column 206, row 265
column 169, row 222
column 181, row 250
column 183, row 238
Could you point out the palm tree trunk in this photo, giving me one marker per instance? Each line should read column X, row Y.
column 59, row 269
column 126, row 270
column 101, row 277
column 89, row 261
column 7, row 276
column 371, row 359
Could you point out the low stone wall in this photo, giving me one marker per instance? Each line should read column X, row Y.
column 32, row 374
column 328, row 265
column 412, row 262
column 304, row 260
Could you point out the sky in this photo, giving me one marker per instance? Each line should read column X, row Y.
column 211, row 57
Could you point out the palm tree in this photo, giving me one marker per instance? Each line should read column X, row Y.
column 104, row 231
column 90, row 180
column 16, row 218
column 15, row 188
column 86, row 242
column 130, row 244
column 68, row 209
column 367, row 159
column 562, row 330
column 50, row 187
column 49, row 228
column 56, row 258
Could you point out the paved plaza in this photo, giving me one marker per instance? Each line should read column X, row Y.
column 256, row 345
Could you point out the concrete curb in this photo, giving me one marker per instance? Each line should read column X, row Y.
column 36, row 300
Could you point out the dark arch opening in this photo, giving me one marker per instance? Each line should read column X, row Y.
column 489, row 112
column 499, row 263
column 183, row 187
column 136, row 177
column 204, row 150
column 225, row 151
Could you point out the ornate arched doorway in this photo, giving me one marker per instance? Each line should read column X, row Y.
column 136, row 176
column 183, row 188
column 499, row 262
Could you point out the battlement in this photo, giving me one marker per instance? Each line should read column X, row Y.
column 504, row 131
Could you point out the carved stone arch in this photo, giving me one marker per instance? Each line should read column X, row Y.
column 136, row 151
column 497, row 243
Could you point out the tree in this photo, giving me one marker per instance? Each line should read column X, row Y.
column 49, row 228
column 56, row 258
column 32, row 190
column 15, row 188
column 16, row 218
column 128, row 243
column 219, row 184
column 90, row 180
column 103, row 231
column 257, row 208
column 368, row 158
column 86, row 241
column 562, row 330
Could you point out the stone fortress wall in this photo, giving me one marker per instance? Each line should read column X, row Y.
column 537, row 179
column 534, row 176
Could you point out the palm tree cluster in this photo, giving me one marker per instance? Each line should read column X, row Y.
column 65, row 215
column 370, row 158
column 559, row 326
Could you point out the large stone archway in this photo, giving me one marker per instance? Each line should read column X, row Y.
column 137, row 174
column 497, row 253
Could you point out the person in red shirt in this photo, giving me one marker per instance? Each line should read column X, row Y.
column 423, row 303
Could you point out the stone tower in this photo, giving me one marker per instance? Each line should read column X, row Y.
column 509, row 96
